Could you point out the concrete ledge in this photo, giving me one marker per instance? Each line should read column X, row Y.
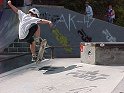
column 103, row 53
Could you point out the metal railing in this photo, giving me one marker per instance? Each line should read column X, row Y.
column 53, row 49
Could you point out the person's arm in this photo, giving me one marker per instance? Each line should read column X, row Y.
column 43, row 21
column 113, row 12
column 13, row 7
column 91, row 10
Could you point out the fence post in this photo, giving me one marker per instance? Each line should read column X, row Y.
column 52, row 52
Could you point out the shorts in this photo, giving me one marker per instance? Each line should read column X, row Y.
column 30, row 37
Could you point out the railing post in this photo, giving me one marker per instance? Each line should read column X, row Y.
column 52, row 52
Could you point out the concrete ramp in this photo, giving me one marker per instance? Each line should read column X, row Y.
column 63, row 76
column 8, row 29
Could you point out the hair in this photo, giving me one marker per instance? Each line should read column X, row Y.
column 32, row 13
column 86, row 2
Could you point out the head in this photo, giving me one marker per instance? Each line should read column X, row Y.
column 34, row 12
column 86, row 3
column 110, row 7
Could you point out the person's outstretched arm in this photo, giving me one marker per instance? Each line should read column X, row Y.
column 43, row 21
column 13, row 7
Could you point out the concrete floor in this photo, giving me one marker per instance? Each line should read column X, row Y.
column 63, row 76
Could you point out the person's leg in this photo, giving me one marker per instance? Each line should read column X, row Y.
column 37, row 36
column 30, row 40
column 33, row 52
column 108, row 19
column 32, row 48
column 37, row 33
column 111, row 20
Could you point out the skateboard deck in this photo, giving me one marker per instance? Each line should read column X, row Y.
column 41, row 51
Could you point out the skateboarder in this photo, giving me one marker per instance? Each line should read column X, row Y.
column 29, row 28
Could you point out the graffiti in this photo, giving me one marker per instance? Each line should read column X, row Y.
column 108, row 35
column 89, row 53
column 48, row 16
column 61, row 19
column 82, row 90
column 70, row 21
column 48, row 89
column 88, row 21
column 108, row 55
column 84, row 36
column 88, row 75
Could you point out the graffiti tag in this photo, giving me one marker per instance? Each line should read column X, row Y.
column 88, row 21
column 82, row 90
column 84, row 36
column 88, row 75
column 108, row 35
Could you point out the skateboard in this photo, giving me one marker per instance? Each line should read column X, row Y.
column 41, row 51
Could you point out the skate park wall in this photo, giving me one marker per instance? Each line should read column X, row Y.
column 68, row 23
column 8, row 29
column 10, row 62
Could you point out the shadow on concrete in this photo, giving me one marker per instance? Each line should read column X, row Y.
column 54, row 70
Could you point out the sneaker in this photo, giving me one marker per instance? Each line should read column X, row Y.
column 34, row 58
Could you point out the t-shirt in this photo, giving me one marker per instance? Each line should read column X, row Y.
column 89, row 11
column 25, row 21
column 111, row 13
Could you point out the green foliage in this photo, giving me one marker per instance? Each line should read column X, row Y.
column 75, row 5
column 62, row 40
column 99, row 8
column 119, row 15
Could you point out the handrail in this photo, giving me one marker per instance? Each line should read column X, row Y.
column 53, row 47
column 23, row 54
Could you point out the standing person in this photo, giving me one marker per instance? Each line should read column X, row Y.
column 110, row 14
column 28, row 27
column 88, row 10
